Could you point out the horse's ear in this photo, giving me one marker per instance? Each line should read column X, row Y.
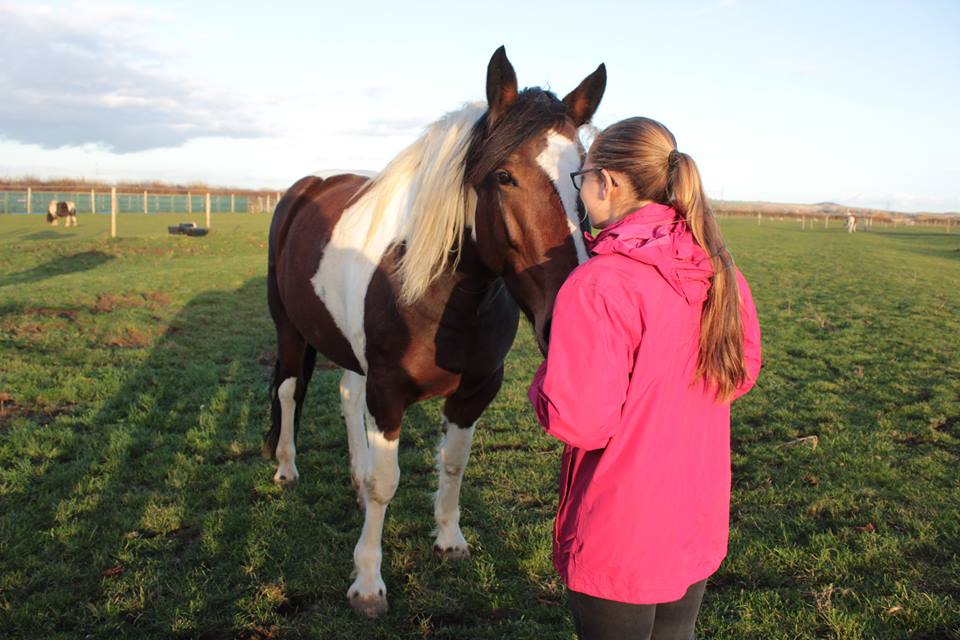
column 501, row 86
column 583, row 101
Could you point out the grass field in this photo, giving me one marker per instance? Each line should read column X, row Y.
column 134, row 502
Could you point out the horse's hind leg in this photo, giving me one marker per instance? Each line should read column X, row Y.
column 460, row 413
column 292, row 373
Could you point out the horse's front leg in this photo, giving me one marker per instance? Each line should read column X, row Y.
column 352, row 388
column 460, row 413
column 452, row 459
column 368, row 593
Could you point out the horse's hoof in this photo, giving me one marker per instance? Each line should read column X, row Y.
column 371, row 606
column 286, row 476
column 452, row 553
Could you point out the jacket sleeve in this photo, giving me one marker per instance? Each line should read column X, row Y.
column 579, row 390
column 751, row 337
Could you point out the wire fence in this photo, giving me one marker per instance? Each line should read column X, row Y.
column 858, row 223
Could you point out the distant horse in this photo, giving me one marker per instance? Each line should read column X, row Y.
column 62, row 209
column 411, row 283
column 851, row 224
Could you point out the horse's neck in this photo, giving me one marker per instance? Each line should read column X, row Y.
column 468, row 286
column 471, row 272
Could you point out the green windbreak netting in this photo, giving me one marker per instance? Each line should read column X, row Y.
column 99, row 202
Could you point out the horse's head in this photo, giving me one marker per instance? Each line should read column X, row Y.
column 529, row 220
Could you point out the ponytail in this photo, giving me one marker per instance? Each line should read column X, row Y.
column 646, row 152
column 720, row 360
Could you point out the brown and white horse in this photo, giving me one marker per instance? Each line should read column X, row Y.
column 62, row 209
column 411, row 283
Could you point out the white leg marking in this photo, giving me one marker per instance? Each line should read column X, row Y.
column 560, row 157
column 352, row 387
column 451, row 461
column 368, row 593
column 286, row 450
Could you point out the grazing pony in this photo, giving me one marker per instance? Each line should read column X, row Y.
column 62, row 209
column 851, row 224
column 411, row 282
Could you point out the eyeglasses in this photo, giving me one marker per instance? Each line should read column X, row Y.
column 577, row 176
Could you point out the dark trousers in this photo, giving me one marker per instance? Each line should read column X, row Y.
column 599, row 619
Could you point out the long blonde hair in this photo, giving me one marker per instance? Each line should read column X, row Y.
column 434, row 205
column 646, row 152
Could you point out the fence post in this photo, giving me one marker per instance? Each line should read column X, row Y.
column 759, row 216
column 208, row 210
column 113, row 212
column 948, row 225
column 189, row 202
column 826, row 222
column 29, row 198
column 144, row 201
column 233, row 203
column 93, row 201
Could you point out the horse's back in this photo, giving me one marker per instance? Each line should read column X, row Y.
column 312, row 206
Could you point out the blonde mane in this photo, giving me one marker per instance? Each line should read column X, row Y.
column 437, row 203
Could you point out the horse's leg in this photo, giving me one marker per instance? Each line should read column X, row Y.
column 368, row 593
column 352, row 388
column 460, row 413
column 292, row 373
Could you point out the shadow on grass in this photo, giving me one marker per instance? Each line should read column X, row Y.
column 84, row 261
column 150, row 498
column 50, row 234
column 158, row 518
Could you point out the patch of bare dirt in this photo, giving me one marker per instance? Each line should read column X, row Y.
column 10, row 409
column 128, row 338
column 107, row 302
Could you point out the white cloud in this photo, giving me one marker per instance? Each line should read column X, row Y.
column 89, row 76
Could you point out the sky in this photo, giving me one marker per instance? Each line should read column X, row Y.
column 848, row 102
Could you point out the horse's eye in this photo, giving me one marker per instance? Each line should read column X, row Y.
column 504, row 177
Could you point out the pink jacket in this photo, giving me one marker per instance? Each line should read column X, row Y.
column 645, row 477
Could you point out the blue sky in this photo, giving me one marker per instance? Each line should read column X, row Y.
column 784, row 101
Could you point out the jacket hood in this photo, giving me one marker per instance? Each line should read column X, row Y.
column 656, row 235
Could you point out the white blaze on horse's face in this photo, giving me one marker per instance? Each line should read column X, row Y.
column 560, row 158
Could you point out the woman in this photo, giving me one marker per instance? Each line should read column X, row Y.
column 651, row 340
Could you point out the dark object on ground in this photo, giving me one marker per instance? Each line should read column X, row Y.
column 187, row 229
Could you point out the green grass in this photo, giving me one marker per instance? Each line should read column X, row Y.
column 134, row 503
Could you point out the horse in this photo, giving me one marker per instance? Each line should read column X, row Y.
column 413, row 282
column 851, row 224
column 62, row 209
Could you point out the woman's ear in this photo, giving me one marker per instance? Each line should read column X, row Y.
column 606, row 184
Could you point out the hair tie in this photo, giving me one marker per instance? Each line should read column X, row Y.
column 725, row 258
column 673, row 158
